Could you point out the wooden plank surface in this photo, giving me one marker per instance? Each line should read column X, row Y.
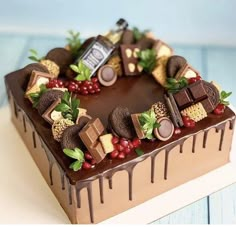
column 214, row 63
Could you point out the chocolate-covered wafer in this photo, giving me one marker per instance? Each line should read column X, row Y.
column 138, row 128
column 166, row 129
column 62, row 57
column 145, row 43
column 162, row 49
column 121, row 123
column 174, row 64
column 47, row 99
column 187, row 71
column 127, row 37
column 130, row 59
column 70, row 138
column 107, row 75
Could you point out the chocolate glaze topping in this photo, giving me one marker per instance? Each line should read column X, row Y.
column 138, row 94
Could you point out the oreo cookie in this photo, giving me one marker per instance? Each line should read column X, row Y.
column 121, row 123
column 70, row 137
column 174, row 64
column 23, row 80
column 47, row 99
column 62, row 57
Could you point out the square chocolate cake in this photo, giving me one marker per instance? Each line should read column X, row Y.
column 106, row 140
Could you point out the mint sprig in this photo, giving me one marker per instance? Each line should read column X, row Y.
column 75, row 154
column 34, row 56
column 36, row 95
column 139, row 151
column 148, row 123
column 147, row 60
column 173, row 85
column 223, row 96
column 83, row 72
column 74, row 42
column 138, row 34
column 68, row 106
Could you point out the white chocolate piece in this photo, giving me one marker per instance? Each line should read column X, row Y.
column 190, row 74
column 128, row 53
column 131, row 67
column 106, row 141
column 56, row 115
column 135, row 53
column 164, row 51
column 42, row 80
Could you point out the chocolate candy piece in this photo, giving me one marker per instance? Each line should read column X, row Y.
column 187, row 71
column 208, row 105
column 166, row 129
column 90, row 135
column 213, row 96
column 62, row 57
column 173, row 110
column 174, row 64
column 37, row 78
column 130, row 59
column 47, row 99
column 162, row 49
column 107, row 75
column 197, row 91
column 121, row 123
column 51, row 115
column 70, row 137
column 183, row 98
column 137, row 126
column 127, row 37
column 145, row 43
column 24, row 80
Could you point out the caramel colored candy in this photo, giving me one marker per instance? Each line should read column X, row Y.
column 166, row 129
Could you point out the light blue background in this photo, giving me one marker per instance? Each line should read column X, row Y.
column 175, row 21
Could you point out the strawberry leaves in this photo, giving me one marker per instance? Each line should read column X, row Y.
column 75, row 154
column 84, row 73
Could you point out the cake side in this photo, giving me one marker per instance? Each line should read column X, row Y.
column 161, row 168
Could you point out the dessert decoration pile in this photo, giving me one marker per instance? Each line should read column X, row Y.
column 85, row 68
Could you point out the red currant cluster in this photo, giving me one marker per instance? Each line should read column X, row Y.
column 89, row 161
column 55, row 83
column 123, row 147
column 194, row 79
column 83, row 87
column 188, row 122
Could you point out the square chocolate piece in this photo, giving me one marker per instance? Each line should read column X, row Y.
column 183, row 98
column 187, row 71
column 207, row 104
column 197, row 91
column 162, row 49
column 130, row 59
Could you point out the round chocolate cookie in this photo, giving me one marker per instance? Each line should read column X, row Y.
column 62, row 57
column 213, row 96
column 107, row 75
column 127, row 37
column 121, row 123
column 145, row 43
column 174, row 64
column 70, row 137
column 24, row 79
column 47, row 99
column 166, row 129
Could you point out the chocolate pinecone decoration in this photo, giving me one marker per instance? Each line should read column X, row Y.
column 59, row 126
column 52, row 67
column 160, row 110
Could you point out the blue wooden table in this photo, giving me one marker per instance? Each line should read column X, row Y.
column 216, row 63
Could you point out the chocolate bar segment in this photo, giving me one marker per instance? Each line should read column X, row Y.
column 197, row 91
column 130, row 59
column 183, row 98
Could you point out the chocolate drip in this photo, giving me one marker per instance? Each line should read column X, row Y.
column 130, row 174
column 222, row 128
column 153, row 158
column 15, row 109
column 110, row 182
column 51, row 162
column 50, row 173
column 194, row 143
column 62, row 179
column 34, row 139
column 78, row 199
column 231, row 126
column 69, row 192
column 24, row 123
column 89, row 190
column 181, row 147
column 166, row 163
column 205, row 139
column 101, row 189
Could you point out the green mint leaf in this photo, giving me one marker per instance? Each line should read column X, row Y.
column 80, row 154
column 33, row 51
column 77, row 165
column 33, row 58
column 75, row 68
column 66, row 97
column 147, row 59
column 139, row 151
column 62, row 107
column 72, row 154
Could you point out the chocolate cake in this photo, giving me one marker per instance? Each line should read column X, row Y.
column 192, row 133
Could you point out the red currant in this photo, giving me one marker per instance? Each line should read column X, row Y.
column 136, row 142
column 220, row 109
column 127, row 150
column 177, row 131
column 121, row 155
column 114, row 154
column 71, row 87
column 86, row 165
column 119, row 147
column 115, row 140
column 94, row 80
column 88, row 156
column 124, row 142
